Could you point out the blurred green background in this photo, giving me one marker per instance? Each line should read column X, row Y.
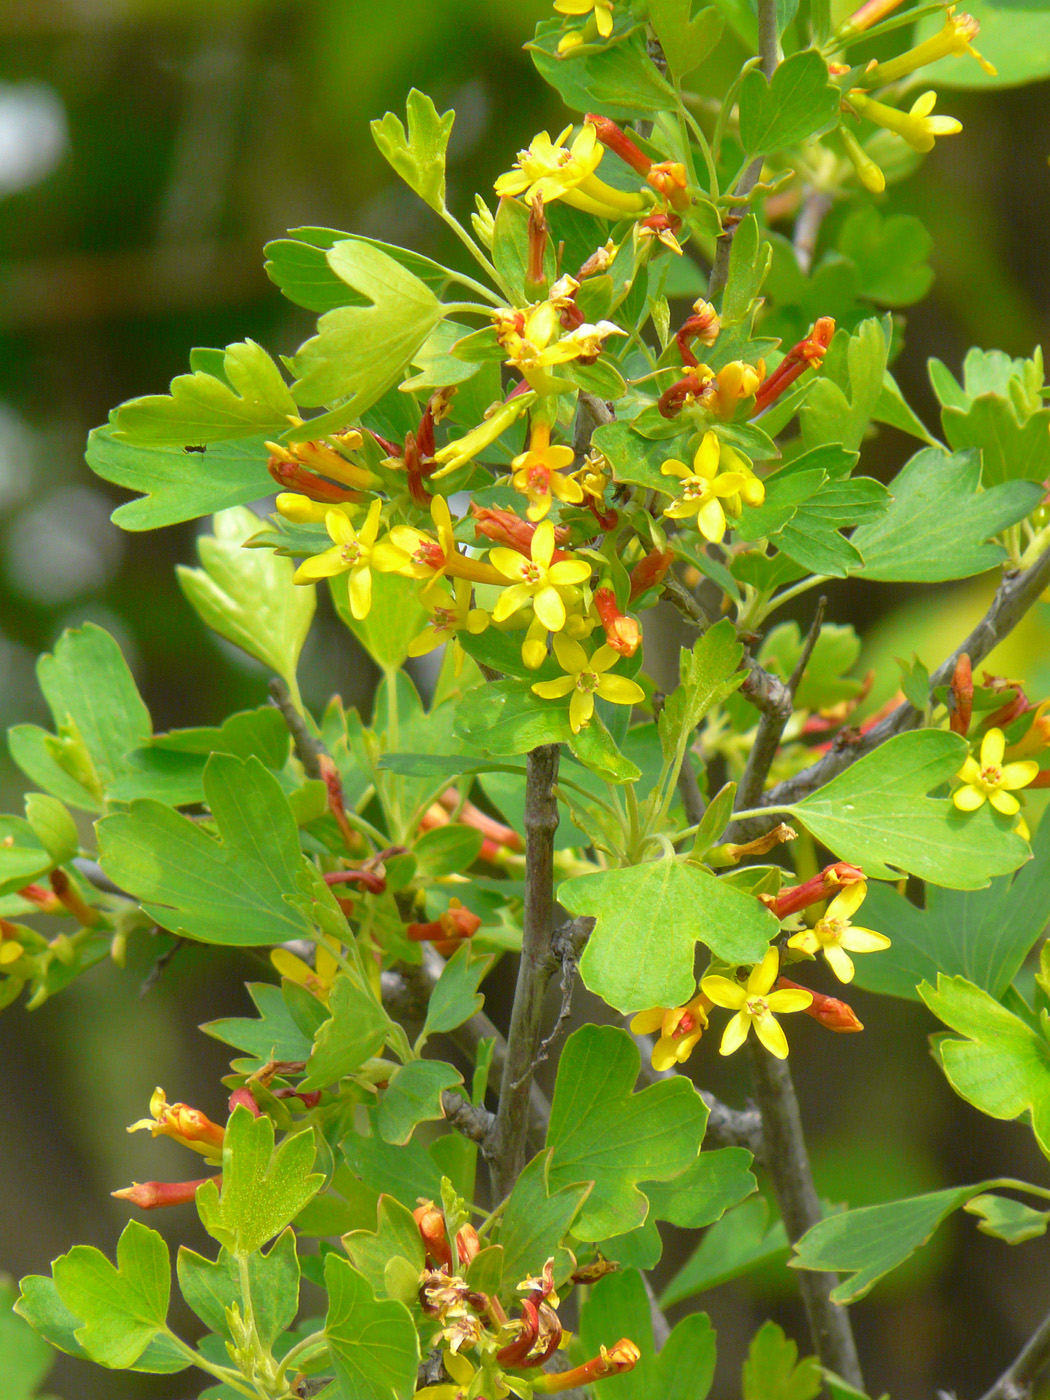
column 148, row 148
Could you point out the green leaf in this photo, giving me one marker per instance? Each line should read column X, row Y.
column 233, row 890
column 1007, row 1220
column 742, row 1240
column 98, row 713
column 798, row 103
column 508, row 719
column 595, row 747
column 1010, row 449
column 418, row 156
column 982, row 935
column 405, row 1172
column 892, row 410
column 714, row 1183
column 825, row 682
column 772, row 1370
column 510, row 249
column 22, row 856
column 450, row 766
column 708, row 675
column 394, row 620
column 749, row 261
column 877, row 815
column 250, row 399
column 855, row 362
column 178, row 485
column 211, row 1286
column 602, row 1132
column 373, row 1343
column 25, row 1358
column 455, row 997
column 871, row 1242
column 247, row 595
column 685, row 40
column 413, row 1096
column 39, row 1304
column 396, row 1236
column 273, row 1035
column 447, row 849
column 120, row 1309
column 618, row 1306
column 355, row 1031
column 1003, row 1066
column 537, row 1219
column 620, row 80
column 359, row 351
column 890, row 255
column 52, row 826
column 939, row 524
column 262, row 1190
column 650, row 918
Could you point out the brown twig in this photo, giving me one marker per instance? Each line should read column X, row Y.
column 789, row 1169
column 1017, row 1380
column 308, row 750
column 472, row 1120
column 815, row 208
column 507, row 1145
column 566, row 946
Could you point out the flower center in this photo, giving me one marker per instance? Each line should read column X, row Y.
column 757, row 1006
column 587, row 681
column 530, row 572
column 686, row 1025
column 831, row 930
column 443, row 620
column 695, row 488
column 351, row 554
column 991, row 777
column 539, row 479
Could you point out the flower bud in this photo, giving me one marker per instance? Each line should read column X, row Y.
column 186, row 1125
column 961, row 691
column 148, row 1195
column 814, row 891
column 833, row 1015
column 622, row 1356
column 622, row 633
column 431, row 1224
column 649, row 572
column 614, row 138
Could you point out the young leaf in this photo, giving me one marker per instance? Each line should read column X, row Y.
column 418, row 156
column 798, row 103
column 855, row 362
column 210, row 1287
column 507, row 719
column 983, row 935
column 273, row 1035
column 1010, row 448
column 359, row 351
column 871, row 1242
column 246, row 595
column 877, row 815
column 939, row 525
column 396, row 1236
column 708, row 675
column 251, row 399
column 25, row 1358
column 714, row 1183
column 603, row 1132
column 749, row 262
column 372, row 1342
column 22, row 856
column 413, row 1096
column 537, row 1219
column 685, row 40
column 233, row 890
column 772, row 1370
column 1006, row 1219
column 455, row 997
column 262, row 1190
column 650, row 918
column 355, row 1032
column 394, row 620
column 1003, row 1066
column 122, row 1308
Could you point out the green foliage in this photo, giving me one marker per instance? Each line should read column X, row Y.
column 212, row 1287
column 798, row 103
column 772, row 1370
column 741, row 1241
column 418, row 156
column 25, row 1357
column 538, row 1218
column 372, row 1341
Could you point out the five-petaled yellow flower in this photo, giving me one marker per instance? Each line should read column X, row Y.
column 602, row 12
column 915, row 126
column 834, row 934
column 317, row 979
column 537, row 473
column 680, row 1029
column 704, row 488
column 553, row 171
column 537, row 579
column 356, row 552
column 754, row 1005
column 991, row 779
column 586, row 676
column 449, row 615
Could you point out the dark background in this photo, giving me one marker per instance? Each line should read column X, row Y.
column 147, row 150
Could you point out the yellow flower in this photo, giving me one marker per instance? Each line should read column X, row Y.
column 356, row 552
column 916, row 126
column 585, row 678
column 952, row 39
column 303, row 511
column 449, row 615
column 869, row 173
column 602, row 12
column 186, row 1125
column 680, row 1029
column 754, row 1006
column 458, row 452
column 992, row 780
column 553, row 171
column 834, row 933
column 537, row 579
column 702, row 488
column 537, row 473
column 736, row 381
column 317, row 979
column 533, row 341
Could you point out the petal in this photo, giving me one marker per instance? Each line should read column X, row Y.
column 682, row 510
column 705, row 459
column 387, row 557
column 968, row 798
column 1005, row 803
column 847, row 901
column 558, row 457
column 360, row 587
column 735, row 1033
column 771, row 1034
column 568, row 571
column 840, row 963
column 581, row 707
column 645, row 1022
column 620, row 690
column 993, row 746
column 339, row 527
column 1019, row 775
column 508, row 561
column 325, row 565
column 790, row 999
column 571, row 656
column 509, row 601
column 427, row 641
column 864, row 940
column 664, row 1055
column 439, row 513
column 553, row 690
column 764, row 975
column 711, row 521
column 550, row 609
column 290, row 966
column 605, row 657
column 970, row 772
column 806, row 942
column 673, row 467
column 723, row 992
column 369, row 530
column 728, row 483
column 566, row 489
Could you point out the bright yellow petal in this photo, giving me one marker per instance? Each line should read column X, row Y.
column 847, row 901
column 508, row 561
column 993, row 746
column 1006, row 803
column 664, row 1055
column 581, row 708
column 571, row 656
column 646, row 1022
column 543, row 544
column 568, row 571
column 705, row 460
column 673, row 467
column 369, row 530
column 840, row 963
column 388, row 558
column 723, row 992
column 711, row 521
column 735, row 1033
column 325, row 565
column 509, row 601
column 789, row 999
column 1019, row 775
column 550, row 609
column 290, row 966
column 764, row 975
column 339, row 527
column 864, row 940
column 553, row 690
column 771, row 1034
column 970, row 772
column 969, row 798
column 620, row 690
column 806, row 942
column 360, row 587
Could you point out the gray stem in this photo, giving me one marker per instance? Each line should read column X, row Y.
column 1016, row 1381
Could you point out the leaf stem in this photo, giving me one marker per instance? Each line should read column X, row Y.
column 475, row 252
column 315, row 1339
